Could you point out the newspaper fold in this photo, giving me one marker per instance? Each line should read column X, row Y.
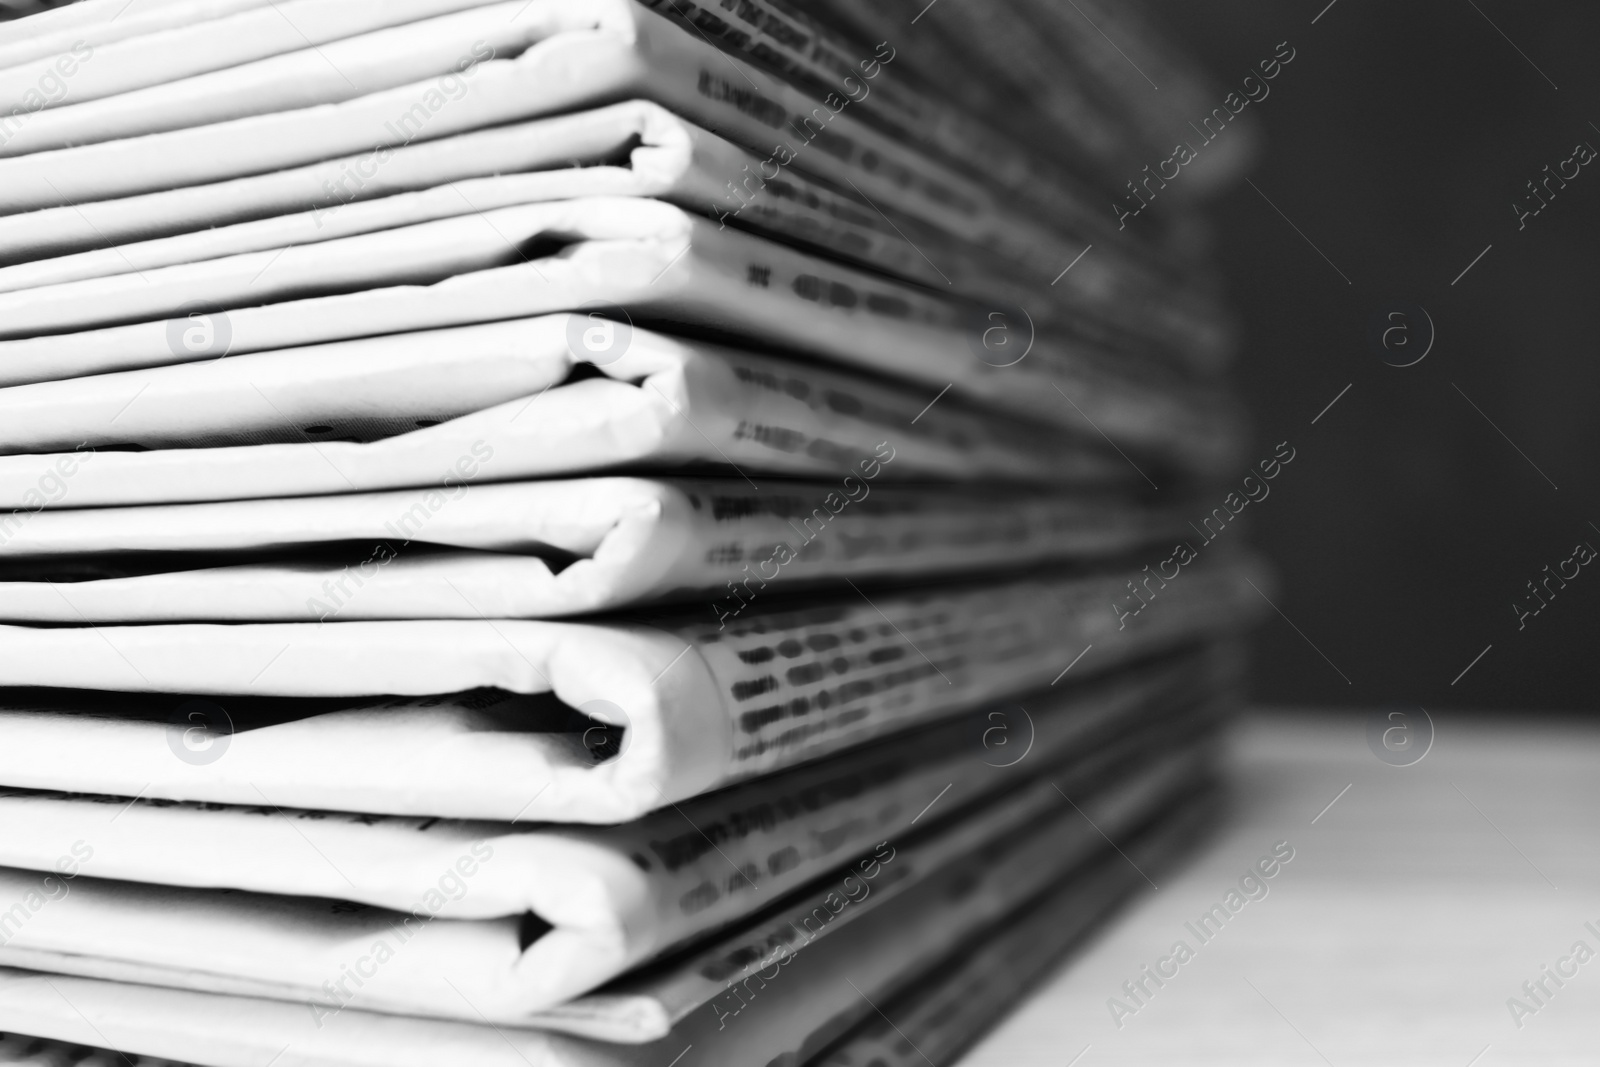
column 494, row 755
column 696, row 704
column 222, row 431
column 1087, row 133
column 820, row 995
column 644, row 1005
column 534, row 549
column 208, row 44
column 519, row 920
column 621, row 258
column 313, row 74
column 634, row 148
column 586, row 53
column 821, row 61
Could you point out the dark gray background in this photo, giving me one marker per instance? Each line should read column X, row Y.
column 1397, row 141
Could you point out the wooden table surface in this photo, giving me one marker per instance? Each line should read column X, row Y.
column 1414, row 908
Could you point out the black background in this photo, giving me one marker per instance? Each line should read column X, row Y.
column 1397, row 141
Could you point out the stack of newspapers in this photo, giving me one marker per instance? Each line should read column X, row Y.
column 587, row 532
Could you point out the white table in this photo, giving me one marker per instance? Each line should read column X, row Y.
column 1413, row 908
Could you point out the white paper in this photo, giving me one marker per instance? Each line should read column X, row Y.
column 301, row 950
column 722, row 973
column 314, row 74
column 598, row 51
column 630, row 149
column 567, row 156
column 100, row 22
column 701, row 707
column 540, row 150
column 817, row 996
column 612, row 897
column 650, row 259
column 829, row 67
column 563, row 156
column 535, row 549
column 251, row 34
column 661, row 402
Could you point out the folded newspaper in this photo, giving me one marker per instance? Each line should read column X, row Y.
column 541, row 915
column 209, row 37
column 625, row 259
column 385, row 748
column 645, row 1004
column 692, row 705
column 634, row 148
column 446, row 75
column 535, row 549
column 817, row 995
column 100, row 22
column 386, row 414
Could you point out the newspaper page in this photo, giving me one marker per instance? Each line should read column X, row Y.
column 662, row 61
column 235, row 41
column 940, row 1016
column 547, row 147
column 593, row 902
column 1086, row 134
column 809, row 1004
column 649, row 261
column 1187, row 92
column 535, row 549
column 242, row 945
column 629, row 149
column 350, row 67
column 643, row 1005
column 181, row 51
column 822, row 63
column 594, row 52
column 1150, row 849
column 100, row 22
column 287, row 424
column 587, row 155
column 696, row 709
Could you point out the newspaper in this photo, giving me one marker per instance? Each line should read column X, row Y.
column 554, row 911
column 534, row 549
column 158, row 61
column 663, row 402
column 818, row 995
column 691, row 706
column 100, row 22
column 596, row 51
column 635, row 148
column 1187, row 93
column 183, row 50
column 824, row 64
column 815, row 56
column 118, row 931
column 1086, row 133
column 1098, row 77
column 640, row 260
column 945, row 1013
column 642, row 1006
column 337, row 69
column 629, row 149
